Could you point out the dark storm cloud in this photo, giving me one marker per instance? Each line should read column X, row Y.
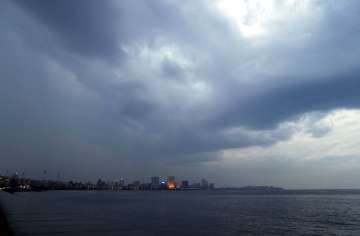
column 61, row 104
column 86, row 27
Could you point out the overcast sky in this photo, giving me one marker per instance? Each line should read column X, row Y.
column 239, row 92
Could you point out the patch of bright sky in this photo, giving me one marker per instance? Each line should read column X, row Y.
column 255, row 18
column 341, row 139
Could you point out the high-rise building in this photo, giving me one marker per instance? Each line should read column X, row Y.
column 155, row 182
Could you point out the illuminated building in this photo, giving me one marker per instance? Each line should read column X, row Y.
column 171, row 184
column 163, row 179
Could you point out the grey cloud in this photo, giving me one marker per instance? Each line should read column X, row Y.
column 171, row 70
column 323, row 95
column 86, row 27
column 80, row 108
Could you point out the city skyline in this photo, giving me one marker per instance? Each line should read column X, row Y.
column 241, row 92
column 17, row 183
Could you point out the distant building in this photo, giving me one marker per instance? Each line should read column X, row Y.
column 204, row 184
column 122, row 182
column 155, row 182
column 100, row 185
column 184, row 184
column 116, row 185
column 145, row 186
column 195, row 185
column 163, row 179
column 212, row 186
column 134, row 186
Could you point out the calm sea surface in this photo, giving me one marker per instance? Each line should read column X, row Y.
column 181, row 213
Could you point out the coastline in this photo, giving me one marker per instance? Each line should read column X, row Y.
column 4, row 224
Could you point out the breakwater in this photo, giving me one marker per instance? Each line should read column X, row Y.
column 4, row 224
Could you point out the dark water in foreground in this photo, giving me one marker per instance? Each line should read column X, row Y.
column 181, row 213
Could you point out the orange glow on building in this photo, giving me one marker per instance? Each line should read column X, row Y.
column 171, row 185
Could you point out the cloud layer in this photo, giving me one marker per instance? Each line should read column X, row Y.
column 115, row 88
